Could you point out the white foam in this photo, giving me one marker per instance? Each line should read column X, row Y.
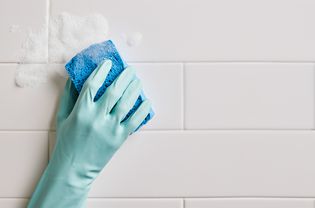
column 31, row 75
column 35, row 47
column 67, row 35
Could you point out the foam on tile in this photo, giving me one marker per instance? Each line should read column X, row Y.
column 67, row 34
column 30, row 75
column 35, row 47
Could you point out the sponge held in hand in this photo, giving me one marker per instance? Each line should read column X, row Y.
column 84, row 63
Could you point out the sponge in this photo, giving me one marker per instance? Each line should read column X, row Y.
column 84, row 63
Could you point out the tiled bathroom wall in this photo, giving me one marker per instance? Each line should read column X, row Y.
column 232, row 83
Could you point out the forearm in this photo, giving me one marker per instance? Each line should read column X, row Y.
column 60, row 186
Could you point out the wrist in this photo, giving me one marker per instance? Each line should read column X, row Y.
column 61, row 170
column 60, row 186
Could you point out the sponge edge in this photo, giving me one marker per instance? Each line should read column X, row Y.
column 84, row 63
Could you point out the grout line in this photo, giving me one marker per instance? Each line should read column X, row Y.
column 177, row 130
column 226, row 61
column 210, row 197
column 183, row 199
column 183, row 104
column 231, row 130
column 24, row 130
column 27, row 198
column 47, row 25
column 24, row 63
column 254, row 197
column 193, row 62
column 314, row 98
column 183, row 203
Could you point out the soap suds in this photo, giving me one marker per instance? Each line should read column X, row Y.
column 67, row 35
column 35, row 47
column 132, row 39
column 30, row 75
column 44, row 51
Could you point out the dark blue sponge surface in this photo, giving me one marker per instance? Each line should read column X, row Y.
column 84, row 63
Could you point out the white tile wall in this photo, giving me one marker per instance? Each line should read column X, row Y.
column 17, row 18
column 211, row 163
column 249, row 203
column 111, row 203
column 13, row 203
column 232, row 84
column 23, row 157
column 198, row 30
column 27, row 108
column 163, row 84
column 249, row 96
column 135, row 203
column 34, row 108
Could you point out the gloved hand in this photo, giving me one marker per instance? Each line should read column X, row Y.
column 88, row 134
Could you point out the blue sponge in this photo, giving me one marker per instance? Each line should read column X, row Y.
column 85, row 62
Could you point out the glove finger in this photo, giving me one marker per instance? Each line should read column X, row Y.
column 114, row 92
column 127, row 100
column 95, row 80
column 67, row 101
column 133, row 122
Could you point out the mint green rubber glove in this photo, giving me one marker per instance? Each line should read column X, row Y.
column 88, row 134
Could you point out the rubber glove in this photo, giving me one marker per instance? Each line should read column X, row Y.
column 88, row 134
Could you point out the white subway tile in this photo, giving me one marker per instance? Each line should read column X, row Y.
column 249, row 96
column 249, row 203
column 27, row 108
column 211, row 164
column 23, row 157
column 35, row 108
column 17, row 19
column 198, row 30
column 134, row 203
column 162, row 84
column 13, row 203
column 104, row 203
